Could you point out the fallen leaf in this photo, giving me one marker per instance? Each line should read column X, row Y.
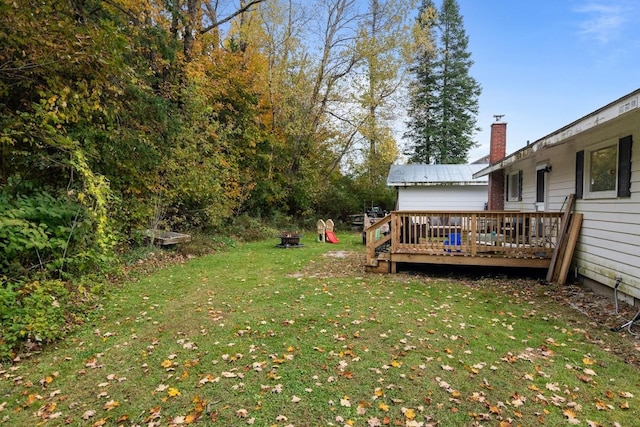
column 409, row 413
column 173, row 392
column 111, row 405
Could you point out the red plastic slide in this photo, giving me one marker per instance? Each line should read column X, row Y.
column 331, row 237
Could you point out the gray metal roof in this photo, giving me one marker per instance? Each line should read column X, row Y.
column 422, row 175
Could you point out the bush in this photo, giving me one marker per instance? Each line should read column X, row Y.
column 49, row 243
column 39, row 311
column 247, row 228
column 45, row 235
column 10, row 321
column 43, row 309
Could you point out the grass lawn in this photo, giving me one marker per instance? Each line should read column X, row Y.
column 265, row 336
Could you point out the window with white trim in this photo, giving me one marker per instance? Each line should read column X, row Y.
column 604, row 171
column 513, row 186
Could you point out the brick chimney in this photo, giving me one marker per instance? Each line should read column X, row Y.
column 497, row 152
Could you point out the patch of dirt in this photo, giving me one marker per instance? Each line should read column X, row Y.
column 334, row 264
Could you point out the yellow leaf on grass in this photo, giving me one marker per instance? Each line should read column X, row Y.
column 587, row 361
column 383, row 407
column 166, row 363
column 410, row 414
column 173, row 392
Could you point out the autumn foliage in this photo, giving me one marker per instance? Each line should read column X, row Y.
column 119, row 116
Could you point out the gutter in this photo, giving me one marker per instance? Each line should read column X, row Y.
column 609, row 112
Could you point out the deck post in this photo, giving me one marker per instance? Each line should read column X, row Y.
column 474, row 231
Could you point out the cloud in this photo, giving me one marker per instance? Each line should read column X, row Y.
column 604, row 20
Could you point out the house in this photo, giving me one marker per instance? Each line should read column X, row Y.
column 438, row 187
column 593, row 158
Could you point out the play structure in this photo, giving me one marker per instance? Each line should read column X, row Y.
column 325, row 231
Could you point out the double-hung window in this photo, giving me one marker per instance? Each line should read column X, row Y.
column 604, row 171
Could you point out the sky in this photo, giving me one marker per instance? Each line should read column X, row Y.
column 546, row 63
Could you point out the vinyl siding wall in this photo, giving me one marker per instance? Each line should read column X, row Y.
column 609, row 242
column 442, row 197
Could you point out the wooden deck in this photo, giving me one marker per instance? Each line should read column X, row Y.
column 480, row 238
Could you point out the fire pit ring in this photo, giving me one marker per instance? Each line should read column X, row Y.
column 289, row 239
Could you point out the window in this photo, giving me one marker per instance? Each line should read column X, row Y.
column 604, row 171
column 513, row 187
column 540, row 187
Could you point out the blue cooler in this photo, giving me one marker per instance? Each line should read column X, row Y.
column 454, row 239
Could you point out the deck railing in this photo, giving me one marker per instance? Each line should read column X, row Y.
column 507, row 234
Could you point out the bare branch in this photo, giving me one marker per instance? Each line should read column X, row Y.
column 240, row 11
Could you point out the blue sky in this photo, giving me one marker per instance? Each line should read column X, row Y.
column 545, row 63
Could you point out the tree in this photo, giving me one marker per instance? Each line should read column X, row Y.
column 444, row 96
column 382, row 43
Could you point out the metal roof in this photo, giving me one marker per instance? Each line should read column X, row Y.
column 423, row 175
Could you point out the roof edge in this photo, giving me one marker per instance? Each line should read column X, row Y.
column 562, row 135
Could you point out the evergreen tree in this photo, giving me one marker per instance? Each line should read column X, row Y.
column 444, row 97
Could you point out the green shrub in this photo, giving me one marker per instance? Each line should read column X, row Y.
column 11, row 323
column 40, row 311
column 43, row 308
column 45, row 235
column 247, row 228
column 49, row 243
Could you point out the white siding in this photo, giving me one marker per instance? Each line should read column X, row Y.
column 609, row 242
column 442, row 197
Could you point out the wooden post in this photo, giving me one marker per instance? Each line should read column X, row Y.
column 561, row 241
column 572, row 238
